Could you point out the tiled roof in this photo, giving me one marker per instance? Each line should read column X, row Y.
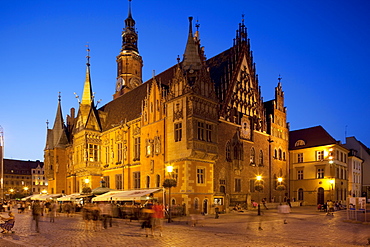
column 20, row 165
column 312, row 137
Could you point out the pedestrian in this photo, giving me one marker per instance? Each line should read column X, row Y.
column 284, row 210
column 95, row 211
column 106, row 213
column 264, row 203
column 147, row 214
column 52, row 211
column 157, row 217
column 87, row 215
column 288, row 202
column 36, row 212
column 330, row 207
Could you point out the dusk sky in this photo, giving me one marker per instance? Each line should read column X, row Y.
column 320, row 48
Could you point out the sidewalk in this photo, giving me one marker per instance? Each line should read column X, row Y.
column 306, row 227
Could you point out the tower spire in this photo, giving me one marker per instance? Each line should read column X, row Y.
column 129, row 34
column 87, row 95
column 191, row 59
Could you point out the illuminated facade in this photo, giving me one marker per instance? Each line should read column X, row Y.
column 205, row 118
column 318, row 167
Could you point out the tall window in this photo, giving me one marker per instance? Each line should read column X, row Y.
column 136, row 180
column 228, row 151
column 200, row 175
column 300, row 158
column 119, row 182
column 137, row 148
column 251, row 185
column 300, row 194
column 158, row 181
column 300, row 174
column 201, row 131
column 178, row 131
column 107, row 154
column 280, row 154
column 320, row 172
column 238, row 185
column 147, row 182
column 253, row 157
column 208, row 132
column 106, row 180
column 260, row 160
column 119, row 152
column 93, row 152
column 319, row 155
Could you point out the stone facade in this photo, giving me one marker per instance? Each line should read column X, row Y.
column 204, row 117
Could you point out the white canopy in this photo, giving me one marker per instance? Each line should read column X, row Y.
column 44, row 197
column 70, row 197
column 129, row 195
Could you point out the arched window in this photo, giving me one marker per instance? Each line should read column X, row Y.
column 275, row 154
column 260, row 159
column 280, row 154
column 147, row 181
column 300, row 194
column 228, row 152
column 222, row 189
column 253, row 157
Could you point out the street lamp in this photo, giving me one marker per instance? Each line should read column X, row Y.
column 25, row 190
column 280, row 187
column 11, row 192
column 169, row 183
column 258, row 187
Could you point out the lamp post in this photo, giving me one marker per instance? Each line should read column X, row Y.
column 169, row 183
column 11, row 192
column 2, row 162
column 25, row 190
column 280, row 187
column 258, row 187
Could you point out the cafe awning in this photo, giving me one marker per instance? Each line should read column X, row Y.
column 128, row 195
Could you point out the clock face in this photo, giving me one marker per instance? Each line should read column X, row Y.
column 119, row 84
column 134, row 82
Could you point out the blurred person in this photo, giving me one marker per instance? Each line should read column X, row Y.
column 52, row 211
column 157, row 218
column 8, row 222
column 87, row 215
column 36, row 212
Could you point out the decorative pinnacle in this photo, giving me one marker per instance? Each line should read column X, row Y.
column 88, row 54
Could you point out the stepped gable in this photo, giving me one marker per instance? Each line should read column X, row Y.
column 124, row 108
column 313, row 137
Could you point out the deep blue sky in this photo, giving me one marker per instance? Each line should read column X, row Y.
column 320, row 48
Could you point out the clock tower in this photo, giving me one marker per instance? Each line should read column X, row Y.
column 129, row 61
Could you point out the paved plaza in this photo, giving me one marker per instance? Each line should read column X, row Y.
column 306, row 227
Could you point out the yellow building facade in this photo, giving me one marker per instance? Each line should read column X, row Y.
column 319, row 169
column 205, row 118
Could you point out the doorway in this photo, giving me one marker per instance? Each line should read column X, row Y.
column 205, row 206
column 320, row 195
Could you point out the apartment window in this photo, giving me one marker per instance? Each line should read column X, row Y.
column 320, row 172
column 238, row 185
column 119, row 182
column 136, row 180
column 222, row 181
column 200, row 175
column 137, row 148
column 300, row 158
column 93, row 152
column 300, row 174
column 319, row 155
column 201, row 131
column 178, row 132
